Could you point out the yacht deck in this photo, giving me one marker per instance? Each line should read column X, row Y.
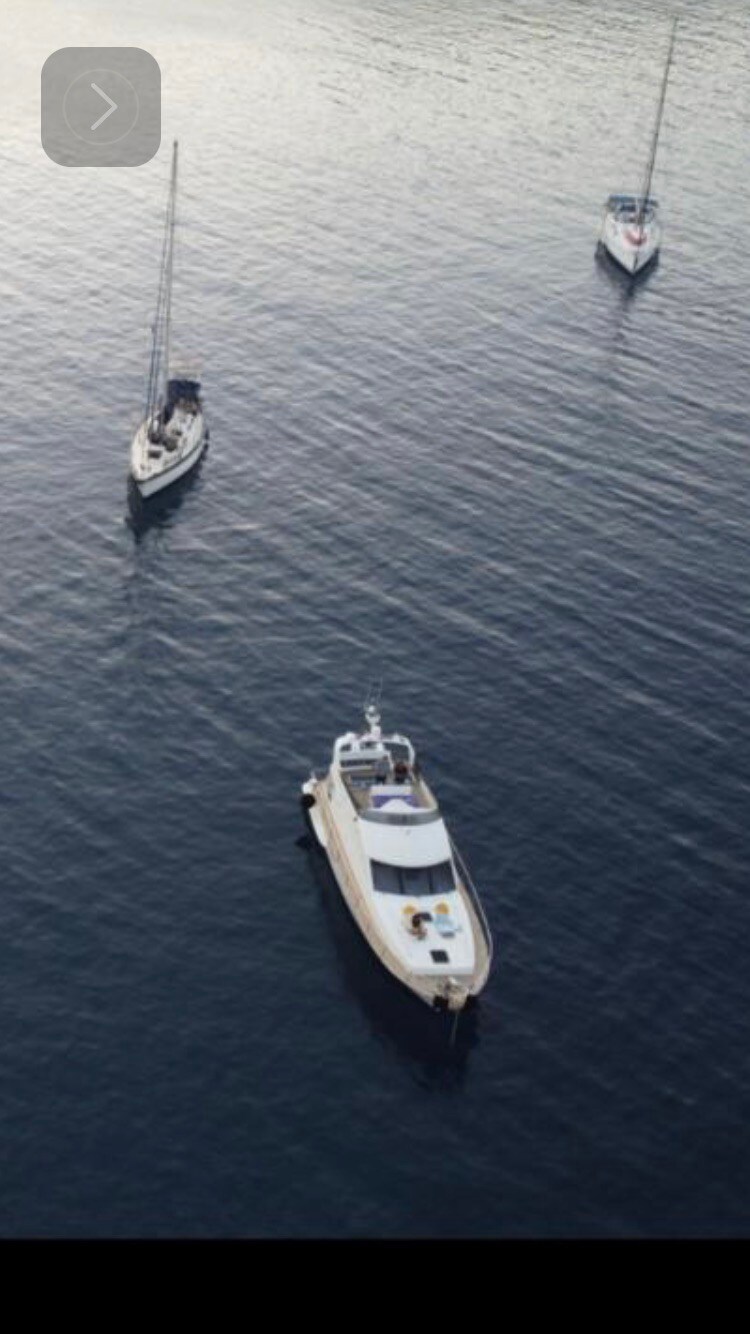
column 370, row 794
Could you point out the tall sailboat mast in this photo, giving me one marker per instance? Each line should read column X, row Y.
column 170, row 256
column 161, row 328
column 655, row 141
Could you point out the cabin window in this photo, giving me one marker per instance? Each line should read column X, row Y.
column 386, row 879
column 441, row 878
column 412, row 880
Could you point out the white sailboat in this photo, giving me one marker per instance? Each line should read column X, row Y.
column 173, row 434
column 631, row 228
column 397, row 868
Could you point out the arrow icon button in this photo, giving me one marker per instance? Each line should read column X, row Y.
column 112, row 106
column 100, row 106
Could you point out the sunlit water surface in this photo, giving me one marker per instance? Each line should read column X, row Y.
column 449, row 450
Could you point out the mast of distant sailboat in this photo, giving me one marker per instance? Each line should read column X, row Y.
column 654, row 142
column 162, row 326
column 168, row 317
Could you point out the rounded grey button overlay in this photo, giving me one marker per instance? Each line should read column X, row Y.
column 100, row 106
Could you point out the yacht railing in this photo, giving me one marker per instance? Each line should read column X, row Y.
column 474, row 896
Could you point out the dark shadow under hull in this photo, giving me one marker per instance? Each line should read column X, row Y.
column 607, row 260
column 147, row 511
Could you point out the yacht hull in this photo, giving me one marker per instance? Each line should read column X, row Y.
column 437, row 992
column 149, row 483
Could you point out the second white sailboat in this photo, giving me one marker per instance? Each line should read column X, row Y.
column 173, row 435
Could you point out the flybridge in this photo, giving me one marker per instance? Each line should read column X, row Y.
column 374, row 758
column 380, row 774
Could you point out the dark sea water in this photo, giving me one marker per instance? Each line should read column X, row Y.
column 449, row 449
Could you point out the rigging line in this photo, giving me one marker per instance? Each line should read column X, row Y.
column 156, row 328
column 155, row 363
column 655, row 140
column 168, row 314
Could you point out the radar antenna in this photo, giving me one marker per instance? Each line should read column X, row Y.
column 372, row 708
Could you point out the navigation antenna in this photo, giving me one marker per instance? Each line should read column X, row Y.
column 372, row 707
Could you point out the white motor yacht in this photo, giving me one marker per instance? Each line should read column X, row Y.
column 173, row 435
column 397, row 867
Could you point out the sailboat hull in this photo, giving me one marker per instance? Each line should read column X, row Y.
column 633, row 248
column 631, row 233
column 153, row 474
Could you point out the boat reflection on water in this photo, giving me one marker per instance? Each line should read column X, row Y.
column 438, row 1043
column 158, row 511
column 621, row 281
column 620, row 315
